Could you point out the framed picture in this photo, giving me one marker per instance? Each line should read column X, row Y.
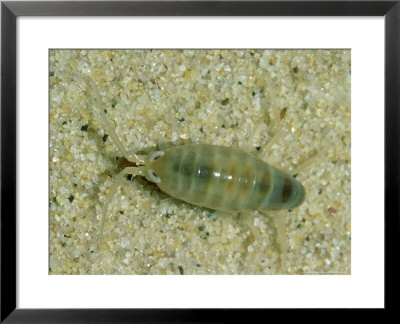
column 220, row 148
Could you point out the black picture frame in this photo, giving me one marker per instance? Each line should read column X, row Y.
column 9, row 13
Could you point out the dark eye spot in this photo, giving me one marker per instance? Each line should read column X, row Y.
column 152, row 176
column 156, row 155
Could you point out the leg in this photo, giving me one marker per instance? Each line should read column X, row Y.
column 276, row 137
column 281, row 240
column 117, row 182
column 277, row 118
column 305, row 164
column 271, row 142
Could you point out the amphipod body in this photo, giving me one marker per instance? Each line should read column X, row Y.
column 222, row 178
column 212, row 176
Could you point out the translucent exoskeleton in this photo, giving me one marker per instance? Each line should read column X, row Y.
column 222, row 178
column 216, row 177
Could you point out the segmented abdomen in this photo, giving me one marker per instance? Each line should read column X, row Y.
column 226, row 179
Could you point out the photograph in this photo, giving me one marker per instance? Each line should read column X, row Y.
column 161, row 160
column 199, row 161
